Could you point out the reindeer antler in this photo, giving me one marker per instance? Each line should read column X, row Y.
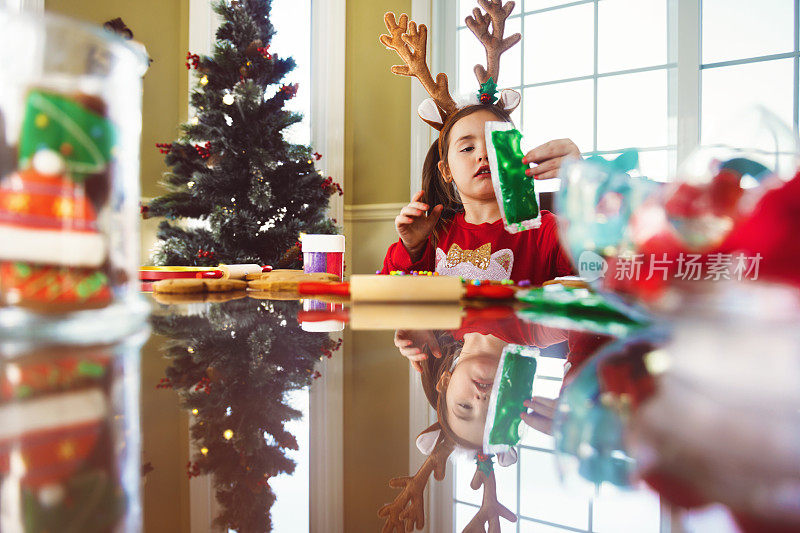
column 491, row 510
column 408, row 507
column 495, row 45
column 405, row 34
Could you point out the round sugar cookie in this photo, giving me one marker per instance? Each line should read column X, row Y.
column 190, row 286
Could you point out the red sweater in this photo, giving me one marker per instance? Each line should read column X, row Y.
column 488, row 251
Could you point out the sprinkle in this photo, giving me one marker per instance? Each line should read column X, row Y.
column 524, row 283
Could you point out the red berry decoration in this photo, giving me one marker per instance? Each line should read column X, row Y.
column 192, row 60
column 204, row 151
column 317, row 156
column 486, row 98
column 164, row 148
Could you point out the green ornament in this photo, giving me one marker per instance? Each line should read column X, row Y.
column 487, row 94
column 83, row 138
column 516, row 386
column 518, row 194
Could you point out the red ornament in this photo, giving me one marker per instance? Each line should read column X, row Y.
column 164, row 148
column 164, row 383
column 316, row 375
column 192, row 60
column 317, row 156
column 486, row 98
column 290, row 90
column 264, row 51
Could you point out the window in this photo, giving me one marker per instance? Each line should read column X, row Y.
column 615, row 74
column 593, row 70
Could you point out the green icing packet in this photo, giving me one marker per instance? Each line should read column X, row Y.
column 515, row 192
column 513, row 384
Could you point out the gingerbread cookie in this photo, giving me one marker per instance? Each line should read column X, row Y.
column 288, row 282
column 191, row 286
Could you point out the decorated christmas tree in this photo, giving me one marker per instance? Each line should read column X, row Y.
column 232, row 366
column 238, row 191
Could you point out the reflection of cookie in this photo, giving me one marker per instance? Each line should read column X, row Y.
column 198, row 297
column 275, row 295
column 189, row 286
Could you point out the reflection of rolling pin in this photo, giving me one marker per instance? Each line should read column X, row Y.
column 239, row 271
column 446, row 316
column 405, row 316
column 376, row 288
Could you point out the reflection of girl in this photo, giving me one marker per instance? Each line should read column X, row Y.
column 458, row 377
column 457, row 370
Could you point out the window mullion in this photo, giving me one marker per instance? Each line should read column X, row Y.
column 686, row 42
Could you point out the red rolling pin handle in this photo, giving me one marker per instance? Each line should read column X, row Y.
column 316, row 287
column 209, row 274
column 491, row 292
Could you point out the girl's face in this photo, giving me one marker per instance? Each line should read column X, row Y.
column 470, row 385
column 467, row 161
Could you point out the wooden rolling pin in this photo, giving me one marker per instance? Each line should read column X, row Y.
column 417, row 289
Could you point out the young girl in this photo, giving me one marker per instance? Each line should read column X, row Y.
column 453, row 225
column 463, row 233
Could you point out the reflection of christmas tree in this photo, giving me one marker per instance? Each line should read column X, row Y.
column 232, row 169
column 233, row 367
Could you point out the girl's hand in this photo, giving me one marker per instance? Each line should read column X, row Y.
column 414, row 226
column 541, row 419
column 411, row 343
column 549, row 157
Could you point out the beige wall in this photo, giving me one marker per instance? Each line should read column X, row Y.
column 377, row 123
column 163, row 28
column 377, row 132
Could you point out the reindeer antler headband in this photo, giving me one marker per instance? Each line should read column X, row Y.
column 410, row 43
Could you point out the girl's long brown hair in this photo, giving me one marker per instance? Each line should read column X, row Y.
column 436, row 190
column 432, row 370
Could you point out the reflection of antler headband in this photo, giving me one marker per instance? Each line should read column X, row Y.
column 408, row 507
column 410, row 41
column 407, row 511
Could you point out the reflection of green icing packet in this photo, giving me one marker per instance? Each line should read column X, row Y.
column 575, row 308
column 514, row 190
column 513, row 384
